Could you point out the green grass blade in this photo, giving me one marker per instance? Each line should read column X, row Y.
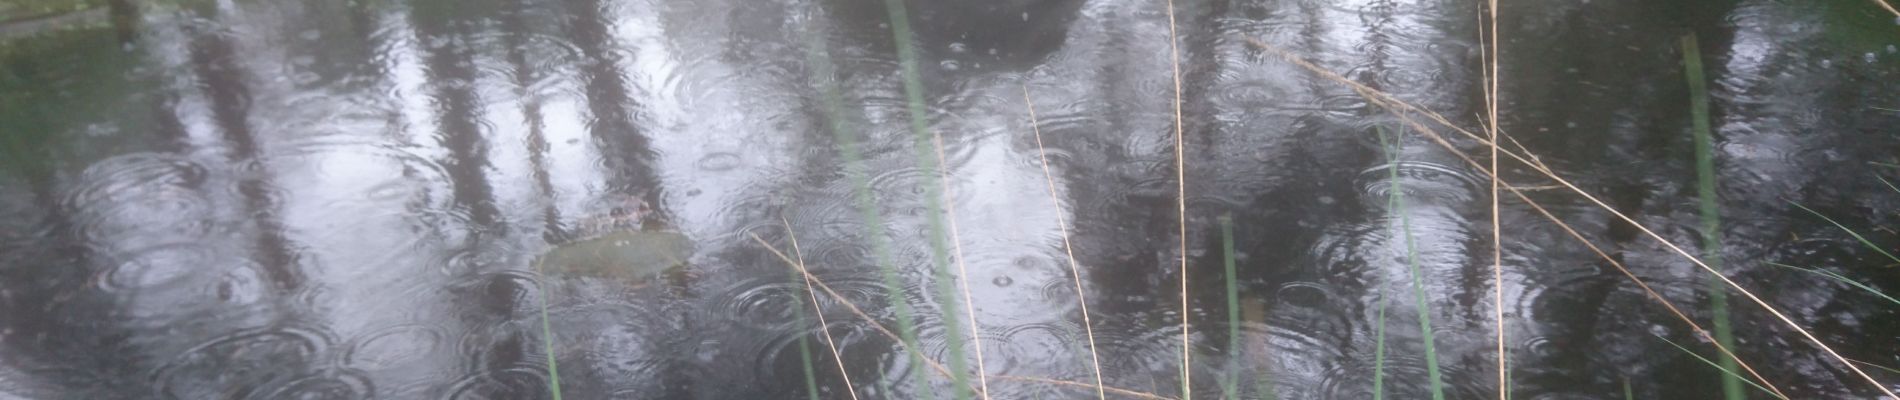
column 933, row 192
column 1863, row 240
column 1725, row 371
column 1627, row 395
column 1842, row 279
column 799, row 300
column 1378, row 356
column 1889, row 184
column 1411, row 263
column 1882, row 367
column 1231, row 379
column 547, row 336
column 1710, row 210
column 823, row 73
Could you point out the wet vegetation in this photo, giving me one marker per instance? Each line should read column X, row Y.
column 884, row 199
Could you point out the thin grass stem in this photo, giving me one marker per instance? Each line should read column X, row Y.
column 1863, row 240
column 1231, row 378
column 1711, row 214
column 935, row 366
column 1402, row 109
column 1397, row 200
column 1398, row 108
column 1842, row 279
column 1497, row 233
column 1725, row 371
column 823, row 73
column 547, row 334
column 963, row 272
column 1180, row 178
column 804, row 352
column 1881, row 367
column 1627, row 394
column 1378, row 355
column 933, row 193
column 1889, row 7
column 908, row 346
column 1075, row 270
column 823, row 326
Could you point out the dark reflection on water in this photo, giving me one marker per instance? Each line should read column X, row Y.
column 318, row 199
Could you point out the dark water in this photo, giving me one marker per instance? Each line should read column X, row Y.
column 336, row 200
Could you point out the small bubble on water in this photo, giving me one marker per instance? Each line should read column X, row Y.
column 1327, row 200
column 1003, row 281
column 950, row 65
column 959, row 47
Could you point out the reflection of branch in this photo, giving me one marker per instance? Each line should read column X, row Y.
column 893, row 336
column 1403, row 110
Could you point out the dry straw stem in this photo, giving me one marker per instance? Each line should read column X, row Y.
column 822, row 325
column 1180, row 178
column 969, row 305
column 1889, row 7
column 1075, row 271
column 934, row 365
column 1402, row 110
column 1497, row 233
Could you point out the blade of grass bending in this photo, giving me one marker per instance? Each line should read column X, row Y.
column 547, row 334
column 1889, row 184
column 1711, row 214
column 933, row 194
column 1231, row 379
column 1401, row 108
column 1725, row 371
column 823, row 72
column 1075, row 271
column 1842, row 279
column 1411, row 263
column 823, row 327
column 935, row 366
column 1180, row 178
column 1863, row 240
